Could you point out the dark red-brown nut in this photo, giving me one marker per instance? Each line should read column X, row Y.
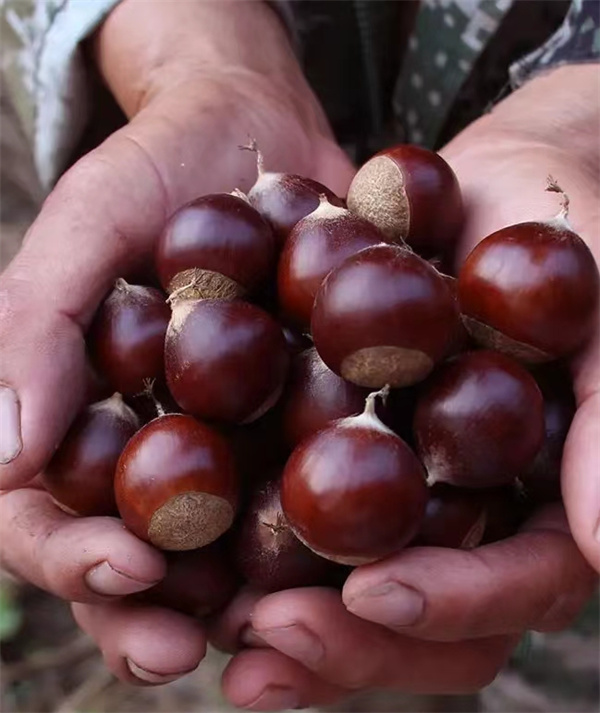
column 462, row 341
column 198, row 583
column 531, row 290
column 384, row 316
column 314, row 397
column 176, row 484
column 411, row 194
column 480, row 421
column 354, row 492
column 127, row 337
column 316, row 245
column 268, row 554
column 224, row 360
column 81, row 473
column 454, row 517
column 285, row 198
column 506, row 510
column 541, row 480
column 218, row 246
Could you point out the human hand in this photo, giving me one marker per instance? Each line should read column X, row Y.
column 431, row 620
column 195, row 86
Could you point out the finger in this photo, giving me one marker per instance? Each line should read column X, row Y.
column 581, row 458
column 226, row 632
column 266, row 680
column 537, row 579
column 143, row 645
column 313, row 627
column 79, row 559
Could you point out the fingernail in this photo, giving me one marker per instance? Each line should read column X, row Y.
column 150, row 676
column 248, row 637
column 10, row 425
column 104, row 579
column 297, row 642
column 275, row 698
column 391, row 604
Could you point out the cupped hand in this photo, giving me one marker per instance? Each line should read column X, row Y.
column 188, row 115
column 432, row 620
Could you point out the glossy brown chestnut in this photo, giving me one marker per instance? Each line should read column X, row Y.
column 259, row 449
column 81, row 473
column 530, row 290
column 384, row 316
column 507, row 509
column 285, row 198
column 316, row 245
column 224, row 361
column 454, row 517
column 296, row 342
column 461, row 341
column 479, row 421
column 354, row 492
column 411, row 194
column 217, row 246
column 314, row 397
column 268, row 554
column 127, row 337
column 176, row 484
column 198, row 583
column 542, row 480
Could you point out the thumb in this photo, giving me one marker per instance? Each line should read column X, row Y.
column 81, row 241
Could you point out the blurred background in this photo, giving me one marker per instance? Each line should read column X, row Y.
column 48, row 665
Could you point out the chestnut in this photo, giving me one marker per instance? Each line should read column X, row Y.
column 198, row 583
column 268, row 554
column 259, row 448
column 218, row 246
column 454, row 517
column 354, row 492
column 531, row 290
column 479, row 422
column 316, row 245
column 127, row 337
column 506, row 510
column 224, row 361
column 411, row 194
column 541, row 480
column 285, row 198
column 384, row 316
column 296, row 342
column 314, row 397
column 80, row 475
column 176, row 484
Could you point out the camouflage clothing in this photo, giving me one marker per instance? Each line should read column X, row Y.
column 384, row 70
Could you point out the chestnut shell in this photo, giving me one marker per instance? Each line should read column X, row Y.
column 354, row 493
column 530, row 290
column 384, row 316
column 285, row 198
column 220, row 233
column 81, row 473
column 198, row 583
column 315, row 396
column 412, row 195
column 318, row 243
column 268, row 554
column 479, row 421
column 176, row 484
column 127, row 337
column 224, row 361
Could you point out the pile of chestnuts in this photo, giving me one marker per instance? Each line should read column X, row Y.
column 299, row 389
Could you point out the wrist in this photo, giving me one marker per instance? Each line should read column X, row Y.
column 146, row 48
